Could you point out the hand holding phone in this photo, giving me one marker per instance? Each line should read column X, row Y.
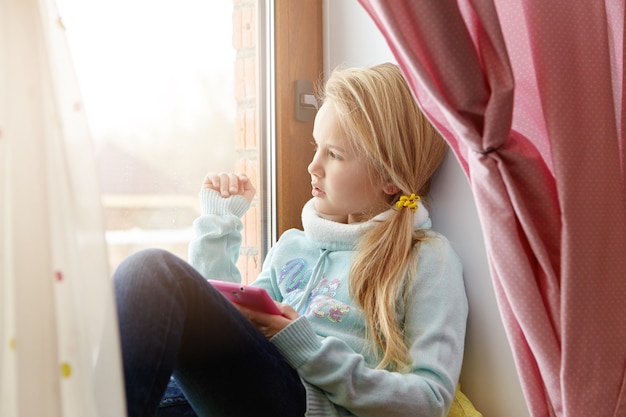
column 254, row 298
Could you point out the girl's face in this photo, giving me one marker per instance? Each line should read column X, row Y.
column 344, row 188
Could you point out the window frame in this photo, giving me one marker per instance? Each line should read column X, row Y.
column 298, row 43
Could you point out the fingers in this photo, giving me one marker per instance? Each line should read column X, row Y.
column 268, row 324
column 287, row 311
column 228, row 184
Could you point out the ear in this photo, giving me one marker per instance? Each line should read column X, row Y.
column 390, row 189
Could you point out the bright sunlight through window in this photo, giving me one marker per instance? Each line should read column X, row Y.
column 157, row 83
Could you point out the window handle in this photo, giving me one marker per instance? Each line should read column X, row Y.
column 308, row 101
column 304, row 100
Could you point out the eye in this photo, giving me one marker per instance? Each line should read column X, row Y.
column 326, row 151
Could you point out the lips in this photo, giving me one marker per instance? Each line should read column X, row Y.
column 317, row 192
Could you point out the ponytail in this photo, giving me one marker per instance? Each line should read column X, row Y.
column 384, row 261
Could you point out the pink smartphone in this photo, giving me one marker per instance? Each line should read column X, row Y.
column 255, row 298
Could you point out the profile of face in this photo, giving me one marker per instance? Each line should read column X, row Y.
column 343, row 187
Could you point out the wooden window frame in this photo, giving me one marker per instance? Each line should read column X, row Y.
column 298, row 46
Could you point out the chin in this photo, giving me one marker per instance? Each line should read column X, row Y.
column 328, row 214
column 319, row 207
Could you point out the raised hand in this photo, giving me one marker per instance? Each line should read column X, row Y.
column 228, row 184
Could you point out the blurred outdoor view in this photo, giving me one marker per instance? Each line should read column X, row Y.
column 157, row 83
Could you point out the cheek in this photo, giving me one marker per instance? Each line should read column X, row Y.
column 358, row 187
column 368, row 191
column 350, row 181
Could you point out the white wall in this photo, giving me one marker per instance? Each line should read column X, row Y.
column 489, row 378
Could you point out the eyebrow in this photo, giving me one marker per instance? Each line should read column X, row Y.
column 334, row 147
column 332, row 144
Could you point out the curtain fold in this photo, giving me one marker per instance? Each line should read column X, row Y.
column 529, row 94
column 59, row 353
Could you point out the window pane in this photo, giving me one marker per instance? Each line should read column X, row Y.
column 159, row 81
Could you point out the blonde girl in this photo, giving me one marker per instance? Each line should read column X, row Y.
column 372, row 299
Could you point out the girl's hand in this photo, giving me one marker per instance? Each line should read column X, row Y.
column 270, row 324
column 229, row 184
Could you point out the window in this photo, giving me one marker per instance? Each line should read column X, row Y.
column 173, row 90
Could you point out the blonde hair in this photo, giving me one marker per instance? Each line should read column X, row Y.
column 380, row 117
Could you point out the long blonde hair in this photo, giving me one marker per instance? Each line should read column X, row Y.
column 380, row 117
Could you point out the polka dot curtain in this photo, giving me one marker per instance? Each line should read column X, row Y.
column 530, row 96
column 59, row 353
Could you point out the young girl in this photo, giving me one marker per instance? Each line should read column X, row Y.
column 373, row 301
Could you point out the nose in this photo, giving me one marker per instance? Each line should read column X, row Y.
column 314, row 167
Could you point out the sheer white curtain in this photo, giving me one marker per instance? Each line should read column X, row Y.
column 59, row 352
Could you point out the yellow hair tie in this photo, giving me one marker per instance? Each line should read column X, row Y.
column 409, row 201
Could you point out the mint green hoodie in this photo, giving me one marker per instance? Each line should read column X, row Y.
column 326, row 345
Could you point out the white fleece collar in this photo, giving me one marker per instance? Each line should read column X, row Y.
column 323, row 230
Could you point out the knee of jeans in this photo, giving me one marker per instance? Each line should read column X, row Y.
column 152, row 254
column 143, row 264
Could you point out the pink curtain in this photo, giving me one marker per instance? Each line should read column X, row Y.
column 530, row 96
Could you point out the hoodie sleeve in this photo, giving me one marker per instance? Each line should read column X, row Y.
column 214, row 250
column 435, row 320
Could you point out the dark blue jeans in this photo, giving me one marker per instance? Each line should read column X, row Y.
column 172, row 322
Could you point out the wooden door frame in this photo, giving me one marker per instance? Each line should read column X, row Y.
column 298, row 43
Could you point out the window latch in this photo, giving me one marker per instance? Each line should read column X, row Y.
column 305, row 101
